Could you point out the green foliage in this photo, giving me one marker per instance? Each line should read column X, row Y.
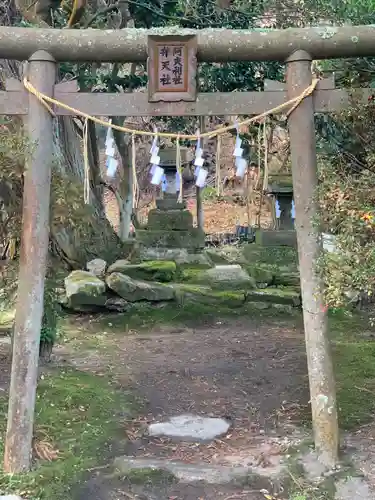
column 13, row 153
column 347, row 199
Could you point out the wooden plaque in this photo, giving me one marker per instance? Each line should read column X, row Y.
column 172, row 68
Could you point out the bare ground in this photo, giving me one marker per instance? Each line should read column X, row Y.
column 253, row 374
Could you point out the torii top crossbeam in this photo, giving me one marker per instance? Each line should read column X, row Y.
column 214, row 45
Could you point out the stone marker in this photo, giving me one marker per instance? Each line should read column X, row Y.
column 192, row 427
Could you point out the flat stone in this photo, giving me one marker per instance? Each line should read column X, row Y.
column 353, row 488
column 192, row 427
column 186, row 473
column 230, row 276
column 136, row 290
column 163, row 271
column 10, row 497
column 275, row 296
column 178, row 255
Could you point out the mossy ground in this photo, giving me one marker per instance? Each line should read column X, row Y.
column 78, row 414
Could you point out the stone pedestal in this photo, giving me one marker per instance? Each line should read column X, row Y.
column 170, row 225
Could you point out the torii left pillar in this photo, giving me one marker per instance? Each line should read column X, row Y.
column 32, row 270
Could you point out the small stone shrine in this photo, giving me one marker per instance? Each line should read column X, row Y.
column 284, row 234
column 170, row 224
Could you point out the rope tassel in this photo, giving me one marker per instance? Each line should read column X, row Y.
column 179, row 169
column 218, row 161
column 134, row 172
column 86, row 182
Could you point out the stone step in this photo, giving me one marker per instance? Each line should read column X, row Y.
column 185, row 473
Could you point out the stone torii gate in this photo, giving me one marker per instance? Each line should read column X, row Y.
column 43, row 48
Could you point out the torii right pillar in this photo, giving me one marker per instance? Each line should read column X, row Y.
column 305, row 180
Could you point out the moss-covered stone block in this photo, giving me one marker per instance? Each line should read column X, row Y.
column 170, row 220
column 274, row 238
column 191, row 240
column 275, row 296
column 277, row 254
column 224, row 277
column 163, row 271
column 137, row 290
column 286, row 276
column 262, row 273
column 188, row 294
column 83, row 283
column 180, row 256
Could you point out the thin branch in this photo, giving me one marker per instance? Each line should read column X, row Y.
column 99, row 13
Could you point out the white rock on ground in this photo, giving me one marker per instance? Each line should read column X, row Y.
column 191, row 427
column 97, row 267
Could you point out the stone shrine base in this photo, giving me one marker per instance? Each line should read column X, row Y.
column 280, row 237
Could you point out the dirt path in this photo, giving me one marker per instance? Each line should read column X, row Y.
column 252, row 374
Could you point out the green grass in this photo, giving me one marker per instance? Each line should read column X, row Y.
column 354, row 363
column 78, row 414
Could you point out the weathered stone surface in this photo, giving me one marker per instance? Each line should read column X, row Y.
column 191, row 240
column 262, row 273
column 179, row 255
column 276, row 254
column 135, row 290
column 168, row 220
column 195, row 294
column 197, row 260
column 192, row 427
column 169, row 204
column 274, row 238
column 286, row 277
column 227, row 254
column 83, row 283
column 97, row 267
column 274, row 295
column 163, row 271
column 231, row 277
column 80, row 302
column 117, row 304
column 185, row 473
column 118, row 266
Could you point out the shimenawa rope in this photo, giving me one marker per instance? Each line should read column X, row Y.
column 47, row 101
